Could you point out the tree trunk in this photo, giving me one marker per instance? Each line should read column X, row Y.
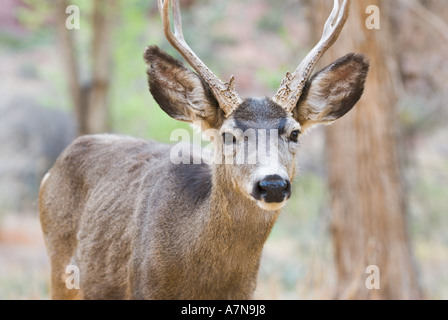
column 368, row 224
column 90, row 99
column 103, row 17
column 67, row 47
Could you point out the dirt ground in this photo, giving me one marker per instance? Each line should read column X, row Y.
column 24, row 268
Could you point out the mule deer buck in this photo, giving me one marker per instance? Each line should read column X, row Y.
column 139, row 226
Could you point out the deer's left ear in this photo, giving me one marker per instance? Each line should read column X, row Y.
column 332, row 92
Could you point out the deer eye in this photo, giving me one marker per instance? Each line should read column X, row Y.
column 294, row 136
column 228, row 138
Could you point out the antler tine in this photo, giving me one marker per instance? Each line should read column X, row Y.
column 173, row 39
column 333, row 15
column 292, row 85
column 177, row 20
column 224, row 93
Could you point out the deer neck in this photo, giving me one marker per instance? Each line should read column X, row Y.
column 236, row 218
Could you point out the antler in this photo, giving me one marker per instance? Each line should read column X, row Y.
column 228, row 99
column 292, row 85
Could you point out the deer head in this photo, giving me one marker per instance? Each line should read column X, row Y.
column 302, row 100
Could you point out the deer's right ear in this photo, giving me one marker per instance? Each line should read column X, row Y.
column 180, row 92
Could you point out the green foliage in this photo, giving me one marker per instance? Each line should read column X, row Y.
column 132, row 108
column 309, row 194
column 429, row 203
column 34, row 18
column 34, row 15
column 24, row 284
column 303, row 252
column 270, row 78
column 273, row 21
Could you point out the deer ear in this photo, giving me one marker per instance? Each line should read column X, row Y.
column 332, row 92
column 180, row 92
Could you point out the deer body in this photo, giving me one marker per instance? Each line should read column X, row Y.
column 139, row 226
column 142, row 246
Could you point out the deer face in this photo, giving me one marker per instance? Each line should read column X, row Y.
column 259, row 138
column 259, row 143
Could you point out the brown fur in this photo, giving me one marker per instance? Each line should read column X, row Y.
column 102, row 205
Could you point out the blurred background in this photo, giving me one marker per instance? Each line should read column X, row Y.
column 372, row 189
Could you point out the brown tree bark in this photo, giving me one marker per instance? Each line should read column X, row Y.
column 70, row 62
column 90, row 100
column 104, row 15
column 368, row 224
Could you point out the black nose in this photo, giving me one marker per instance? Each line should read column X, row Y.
column 273, row 189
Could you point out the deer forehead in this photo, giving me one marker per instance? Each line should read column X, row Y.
column 261, row 113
